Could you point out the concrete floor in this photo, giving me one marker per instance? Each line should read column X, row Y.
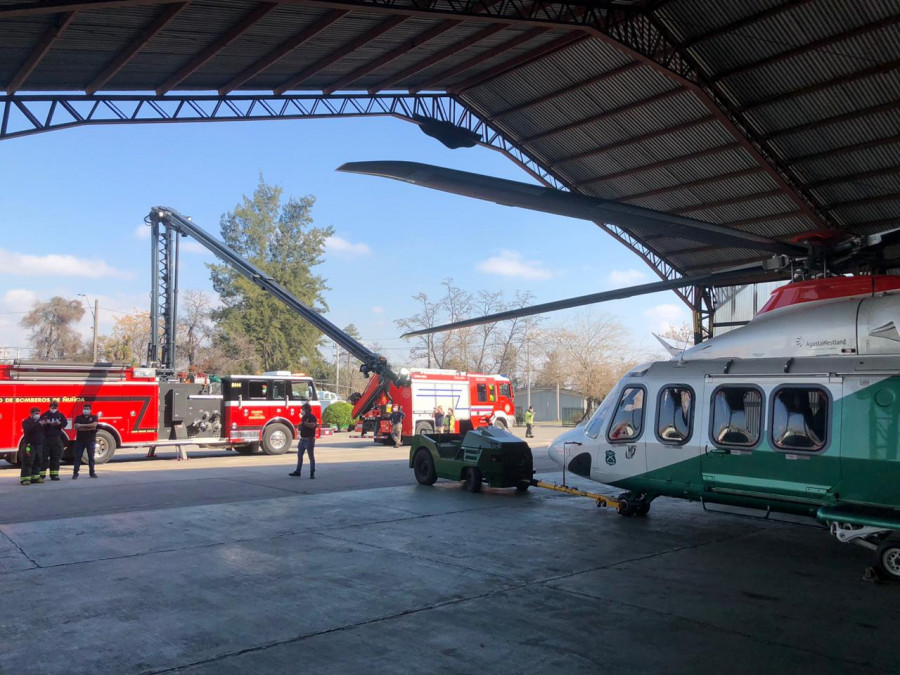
column 415, row 579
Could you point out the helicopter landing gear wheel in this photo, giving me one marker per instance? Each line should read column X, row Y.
column 887, row 558
column 633, row 504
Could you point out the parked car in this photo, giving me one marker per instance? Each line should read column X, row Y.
column 326, row 398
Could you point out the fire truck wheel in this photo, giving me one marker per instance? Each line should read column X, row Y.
column 104, row 448
column 473, row 480
column 500, row 423
column 424, row 428
column 12, row 458
column 423, row 467
column 276, row 439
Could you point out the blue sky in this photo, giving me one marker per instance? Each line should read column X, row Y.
column 73, row 204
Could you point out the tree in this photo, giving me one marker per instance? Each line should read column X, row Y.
column 492, row 347
column 52, row 335
column 281, row 241
column 130, row 337
column 338, row 415
column 592, row 354
column 194, row 329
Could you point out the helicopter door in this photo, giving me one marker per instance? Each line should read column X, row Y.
column 672, row 449
column 773, row 442
column 623, row 456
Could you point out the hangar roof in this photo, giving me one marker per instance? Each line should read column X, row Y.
column 772, row 116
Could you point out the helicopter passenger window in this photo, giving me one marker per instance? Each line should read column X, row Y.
column 628, row 419
column 675, row 415
column 800, row 418
column 736, row 416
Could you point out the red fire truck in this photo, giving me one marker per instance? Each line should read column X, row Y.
column 477, row 400
column 244, row 412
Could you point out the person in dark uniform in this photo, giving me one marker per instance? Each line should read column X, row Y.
column 54, row 422
column 308, row 424
column 397, row 424
column 32, row 448
column 85, row 439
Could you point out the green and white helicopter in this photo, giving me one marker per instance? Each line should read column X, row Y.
column 796, row 412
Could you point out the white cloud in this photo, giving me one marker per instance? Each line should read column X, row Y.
column 191, row 246
column 667, row 315
column 512, row 264
column 344, row 248
column 622, row 278
column 56, row 265
column 377, row 310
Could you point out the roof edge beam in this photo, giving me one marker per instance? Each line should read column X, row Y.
column 728, row 202
column 436, row 57
column 226, row 38
column 560, row 43
column 339, row 53
column 660, row 164
column 44, row 44
column 478, row 59
column 746, row 21
column 605, row 115
column 827, row 84
column 854, row 177
column 802, row 49
column 631, row 65
column 282, row 50
column 140, row 41
column 395, row 53
column 706, row 119
column 57, row 6
column 693, row 184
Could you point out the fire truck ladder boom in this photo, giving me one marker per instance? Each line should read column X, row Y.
column 371, row 361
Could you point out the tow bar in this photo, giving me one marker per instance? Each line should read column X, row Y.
column 602, row 500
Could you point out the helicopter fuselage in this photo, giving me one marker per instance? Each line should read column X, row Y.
column 797, row 412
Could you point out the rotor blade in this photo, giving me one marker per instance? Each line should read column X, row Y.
column 549, row 200
column 732, row 277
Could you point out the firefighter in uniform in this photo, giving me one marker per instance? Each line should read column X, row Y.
column 32, row 454
column 54, row 422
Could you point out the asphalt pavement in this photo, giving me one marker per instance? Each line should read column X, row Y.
column 225, row 564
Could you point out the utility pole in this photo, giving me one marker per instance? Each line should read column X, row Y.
column 528, row 373
column 337, row 369
column 95, row 314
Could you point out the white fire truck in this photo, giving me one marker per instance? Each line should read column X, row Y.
column 243, row 412
column 476, row 399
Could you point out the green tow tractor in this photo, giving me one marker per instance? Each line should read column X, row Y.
column 488, row 455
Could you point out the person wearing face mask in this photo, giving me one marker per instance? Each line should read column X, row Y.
column 32, row 448
column 85, row 439
column 54, row 422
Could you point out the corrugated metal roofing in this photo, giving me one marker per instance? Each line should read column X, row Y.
column 790, row 123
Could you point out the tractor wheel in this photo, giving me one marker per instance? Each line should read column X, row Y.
column 522, row 487
column 887, row 558
column 276, row 439
column 423, row 467
column 473, row 480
